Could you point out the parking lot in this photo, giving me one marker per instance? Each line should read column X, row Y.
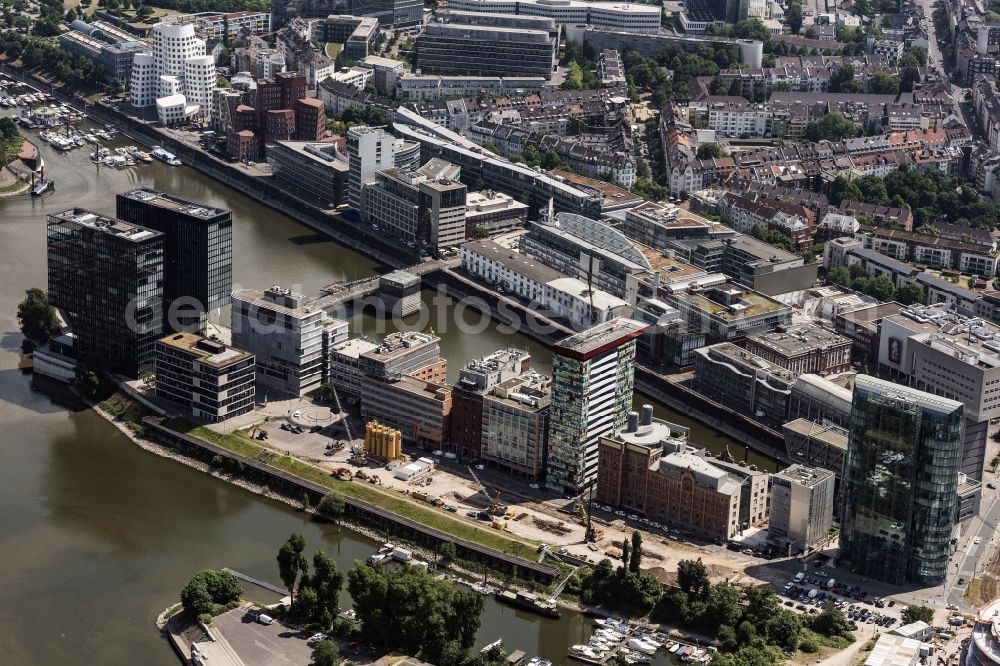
column 260, row 644
column 813, row 592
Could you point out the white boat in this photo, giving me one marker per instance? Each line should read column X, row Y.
column 89, row 138
column 165, row 156
column 44, row 135
column 640, row 646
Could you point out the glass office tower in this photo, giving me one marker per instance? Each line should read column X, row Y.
column 900, row 483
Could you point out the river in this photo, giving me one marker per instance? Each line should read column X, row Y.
column 98, row 536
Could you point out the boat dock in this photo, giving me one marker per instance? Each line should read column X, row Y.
column 637, row 644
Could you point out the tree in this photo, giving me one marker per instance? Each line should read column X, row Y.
column 834, row 126
column 830, row 622
column 326, row 581
column 723, row 605
column 626, row 549
column 479, row 231
column 447, row 551
column 116, row 88
column 692, row 577
column 882, row 288
column 410, row 610
column 574, row 77
column 883, row 83
column 909, row 294
column 844, row 189
column 291, row 562
column 710, row 150
column 331, row 506
column 918, row 614
column 784, row 629
column 210, row 588
column 37, row 318
column 839, row 275
column 636, row 559
column 793, row 16
column 325, row 654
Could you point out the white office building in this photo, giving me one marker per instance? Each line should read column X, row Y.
column 369, row 150
column 290, row 338
column 801, row 508
column 619, row 15
column 176, row 66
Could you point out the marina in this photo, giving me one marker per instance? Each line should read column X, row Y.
column 635, row 644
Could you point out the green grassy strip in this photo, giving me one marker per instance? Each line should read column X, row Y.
column 238, row 443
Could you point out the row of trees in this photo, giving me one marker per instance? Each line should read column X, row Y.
column 881, row 287
column 933, row 196
column 37, row 52
column 316, row 595
column 752, row 626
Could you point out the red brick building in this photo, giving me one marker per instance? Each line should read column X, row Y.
column 280, row 125
column 310, row 119
column 242, row 146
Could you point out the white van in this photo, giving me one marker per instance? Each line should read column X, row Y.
column 265, row 619
column 799, row 576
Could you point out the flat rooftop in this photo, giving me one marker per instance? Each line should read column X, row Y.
column 354, row 347
column 827, row 434
column 756, row 304
column 207, row 351
column 396, row 345
column 612, row 194
column 105, row 224
column 871, row 314
column 804, row 475
column 795, row 340
column 601, row 338
column 170, row 202
column 969, row 339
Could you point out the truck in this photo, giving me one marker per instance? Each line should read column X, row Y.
column 832, row 583
column 401, row 554
column 812, row 593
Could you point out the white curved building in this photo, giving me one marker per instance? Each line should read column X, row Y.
column 176, row 66
column 984, row 647
column 619, row 15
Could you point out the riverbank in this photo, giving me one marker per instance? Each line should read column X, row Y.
column 11, row 184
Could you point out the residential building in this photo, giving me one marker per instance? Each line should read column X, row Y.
column 802, row 501
column 742, row 382
column 475, row 380
column 214, row 382
column 396, row 13
column 310, row 119
column 545, row 288
column 648, row 468
column 386, row 73
column 197, row 254
column 593, row 376
column 355, row 34
column 610, row 68
column 316, row 173
column 487, row 45
column 236, row 23
column 900, row 483
column 727, row 312
column 966, row 256
column 369, row 150
column 175, row 74
column 114, row 60
column 242, row 146
column 106, row 278
column 288, row 337
column 420, row 87
column 807, row 348
column 515, row 421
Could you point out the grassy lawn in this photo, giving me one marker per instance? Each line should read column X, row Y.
column 332, row 50
column 126, row 410
column 238, row 442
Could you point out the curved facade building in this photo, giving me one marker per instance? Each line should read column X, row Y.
column 984, row 648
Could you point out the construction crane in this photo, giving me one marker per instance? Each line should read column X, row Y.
column 496, row 508
column 343, row 415
column 586, row 520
